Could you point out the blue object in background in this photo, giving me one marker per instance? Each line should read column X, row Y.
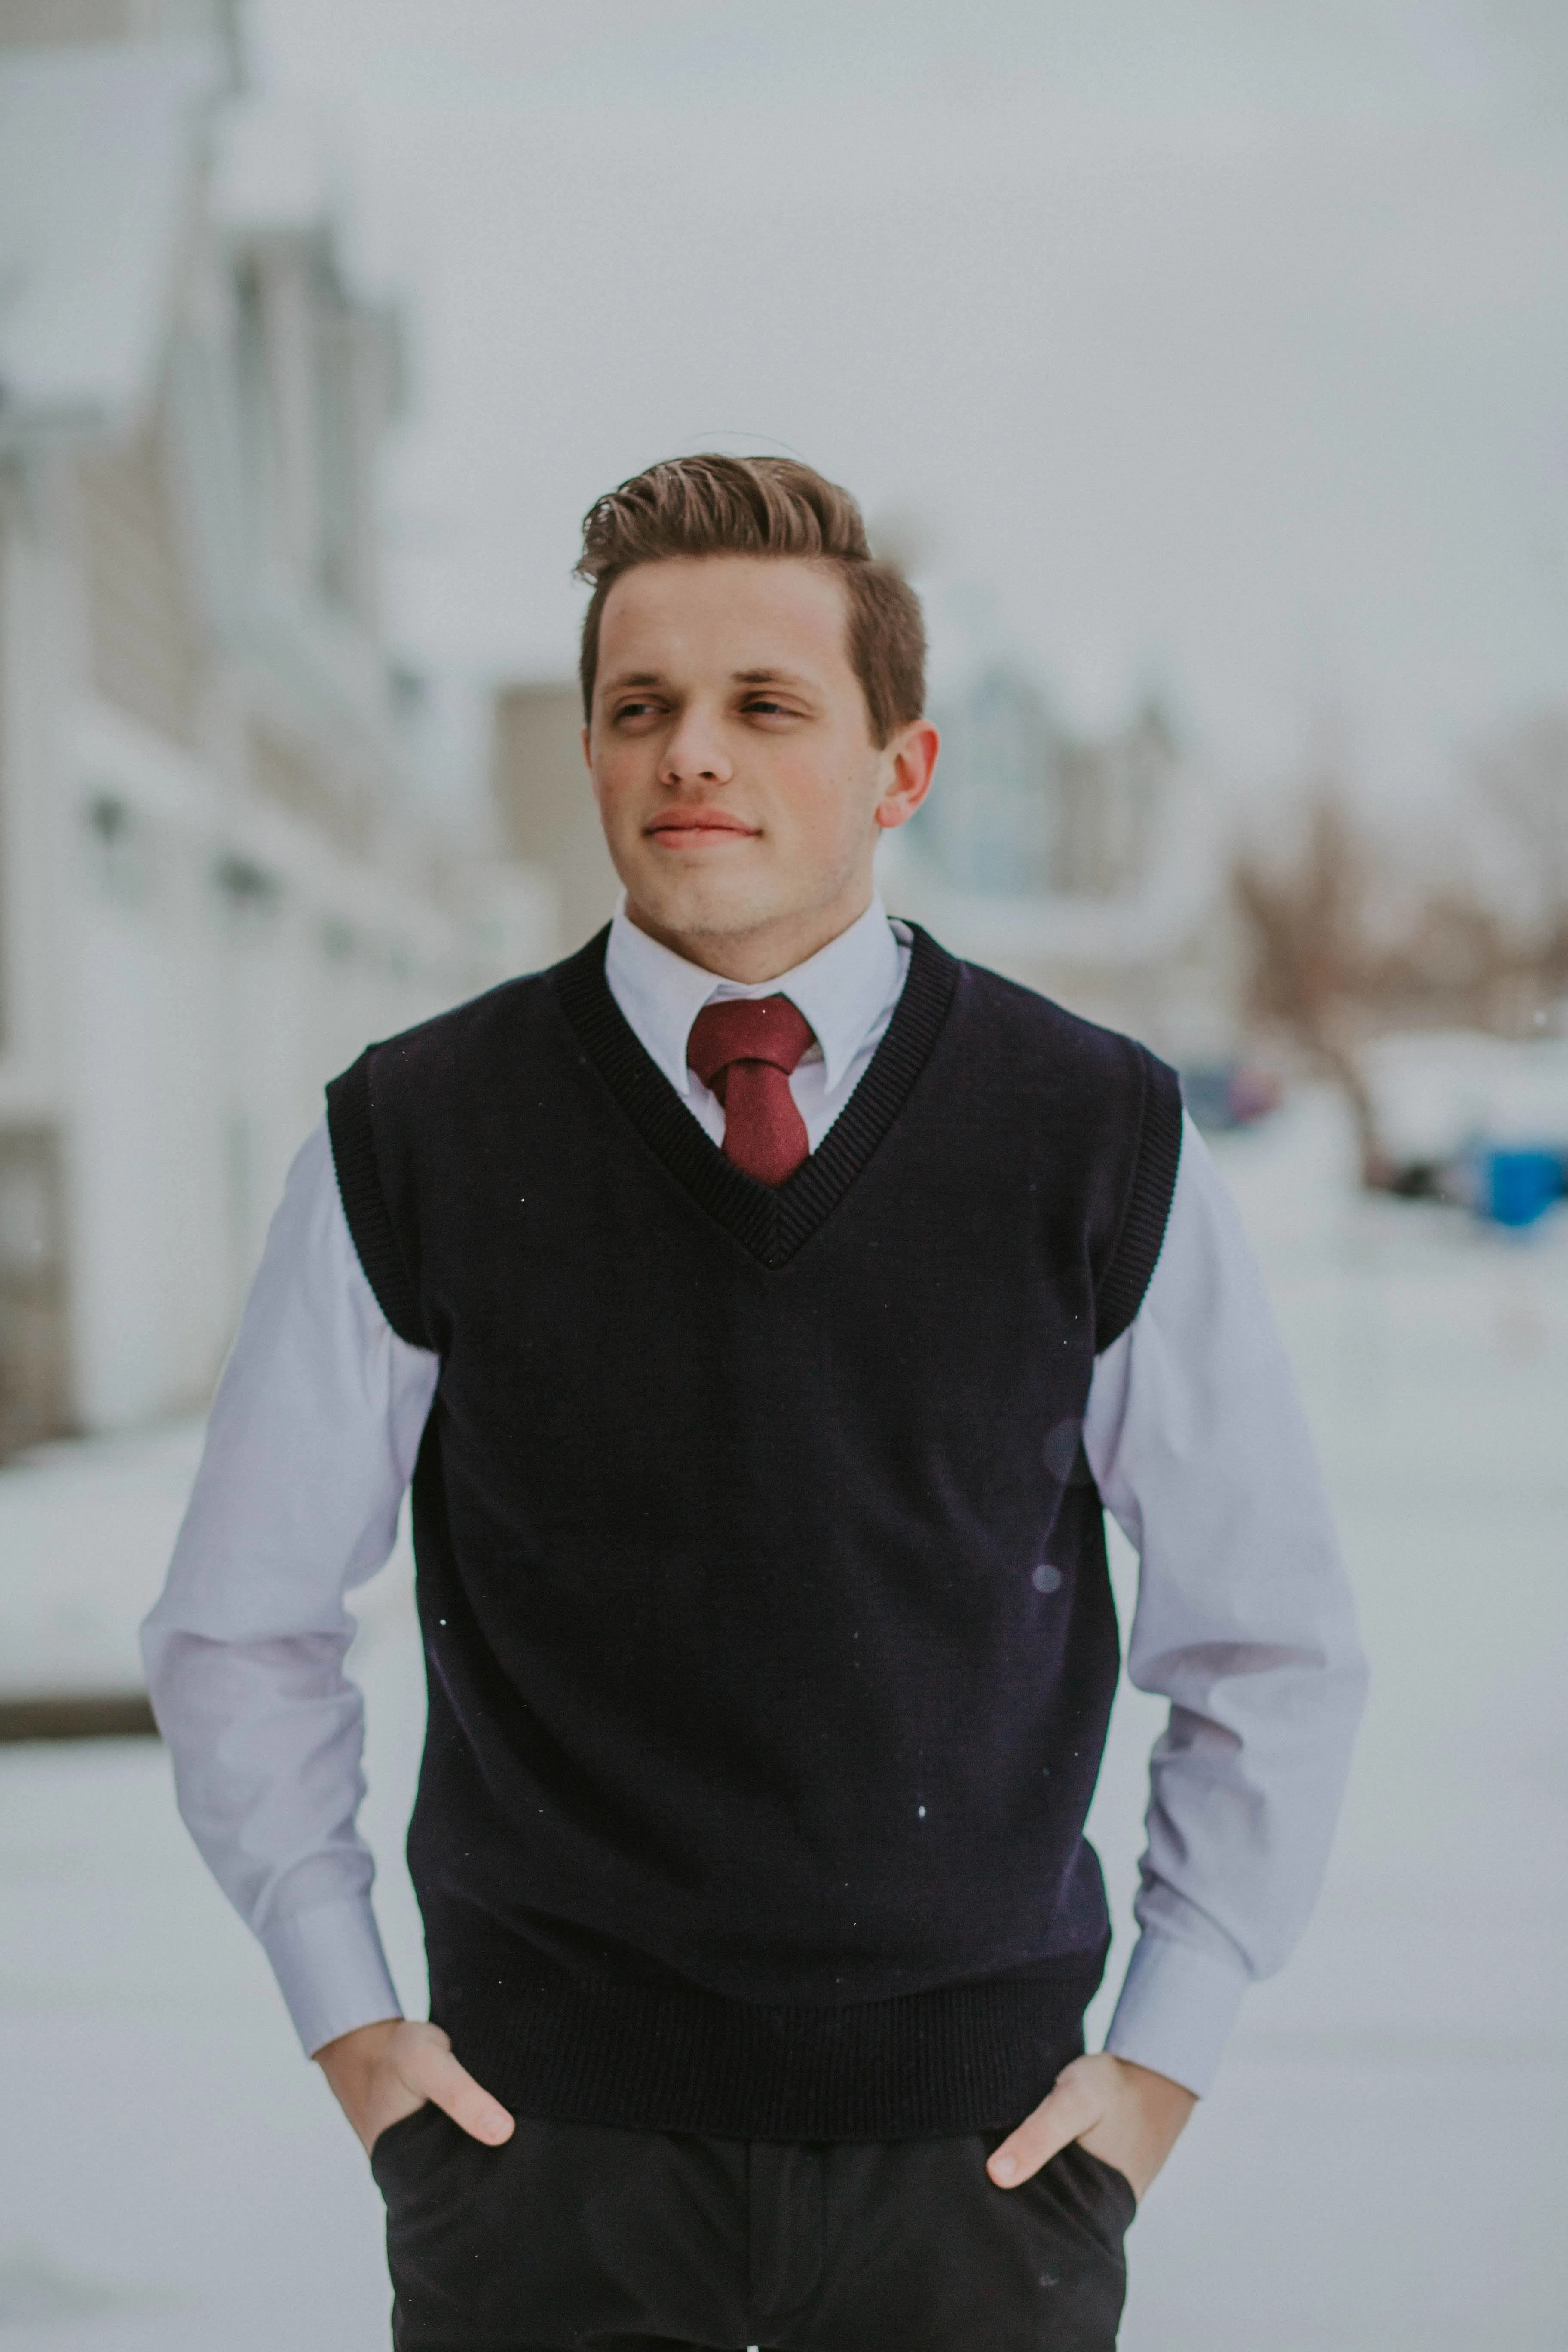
column 1521, row 1186
column 1225, row 1095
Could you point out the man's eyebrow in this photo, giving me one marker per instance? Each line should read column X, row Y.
column 766, row 676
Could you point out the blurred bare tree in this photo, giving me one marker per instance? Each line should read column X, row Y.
column 1350, row 934
column 1521, row 782
column 1307, row 919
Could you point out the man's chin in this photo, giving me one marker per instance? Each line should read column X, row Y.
column 701, row 907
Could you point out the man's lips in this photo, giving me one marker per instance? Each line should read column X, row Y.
column 690, row 828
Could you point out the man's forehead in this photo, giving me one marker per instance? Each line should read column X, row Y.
column 761, row 616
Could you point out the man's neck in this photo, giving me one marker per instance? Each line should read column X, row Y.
column 751, row 956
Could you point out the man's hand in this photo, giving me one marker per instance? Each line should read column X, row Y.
column 1126, row 2115
column 379, row 2074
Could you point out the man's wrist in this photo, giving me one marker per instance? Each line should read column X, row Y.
column 1160, row 2094
column 361, row 2046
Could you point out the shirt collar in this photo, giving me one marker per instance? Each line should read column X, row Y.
column 842, row 989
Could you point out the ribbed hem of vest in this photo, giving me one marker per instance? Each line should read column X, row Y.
column 966, row 2058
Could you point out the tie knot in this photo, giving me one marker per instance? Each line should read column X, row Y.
column 748, row 1029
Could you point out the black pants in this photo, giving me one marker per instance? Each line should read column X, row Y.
column 572, row 2236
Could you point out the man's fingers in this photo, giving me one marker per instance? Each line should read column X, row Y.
column 436, row 2075
column 1072, row 2108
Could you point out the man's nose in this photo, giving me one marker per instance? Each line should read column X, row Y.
column 696, row 753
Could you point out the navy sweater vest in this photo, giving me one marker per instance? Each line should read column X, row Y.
column 762, row 1575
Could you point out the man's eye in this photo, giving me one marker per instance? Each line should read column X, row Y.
column 633, row 709
column 762, row 705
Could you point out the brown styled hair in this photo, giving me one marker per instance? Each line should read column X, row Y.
column 771, row 507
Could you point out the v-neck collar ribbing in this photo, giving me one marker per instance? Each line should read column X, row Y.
column 771, row 1222
column 843, row 989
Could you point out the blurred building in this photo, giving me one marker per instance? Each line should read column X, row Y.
column 1088, row 866
column 214, row 882
column 543, row 806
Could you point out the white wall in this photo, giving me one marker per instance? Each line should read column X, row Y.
column 152, row 1280
column 226, row 962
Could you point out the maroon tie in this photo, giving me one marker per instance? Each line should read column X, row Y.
column 744, row 1048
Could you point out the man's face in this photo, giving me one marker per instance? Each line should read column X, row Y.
column 741, row 793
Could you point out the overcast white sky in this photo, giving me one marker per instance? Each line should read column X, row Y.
column 1224, row 345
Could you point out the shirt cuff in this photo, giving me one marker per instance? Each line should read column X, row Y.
column 332, row 1970
column 1176, row 2010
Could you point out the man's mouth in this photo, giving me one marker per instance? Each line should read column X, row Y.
column 691, row 828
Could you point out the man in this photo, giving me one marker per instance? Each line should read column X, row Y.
column 765, row 1306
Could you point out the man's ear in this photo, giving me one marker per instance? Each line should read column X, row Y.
column 588, row 755
column 913, row 754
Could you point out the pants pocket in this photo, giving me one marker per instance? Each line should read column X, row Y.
column 1099, row 2191
column 401, row 2144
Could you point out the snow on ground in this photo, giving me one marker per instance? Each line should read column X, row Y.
column 1382, row 2165
column 85, row 1532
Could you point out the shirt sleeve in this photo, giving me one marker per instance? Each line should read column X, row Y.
column 310, row 1446
column 1244, row 1621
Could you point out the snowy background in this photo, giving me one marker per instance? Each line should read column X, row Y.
column 1382, row 2162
